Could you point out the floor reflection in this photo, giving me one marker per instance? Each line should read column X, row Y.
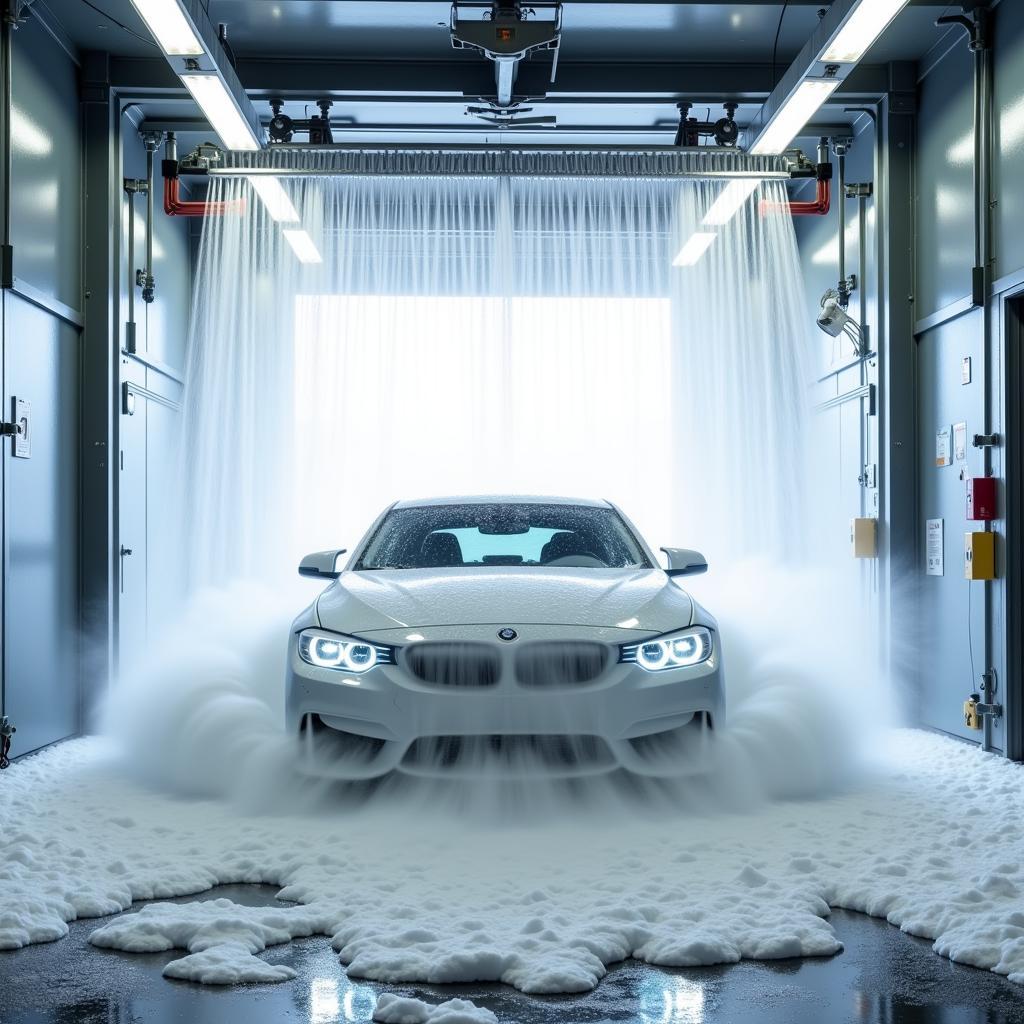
column 671, row 1000
column 883, row 977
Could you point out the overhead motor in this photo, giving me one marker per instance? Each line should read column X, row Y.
column 725, row 131
column 507, row 33
column 282, row 128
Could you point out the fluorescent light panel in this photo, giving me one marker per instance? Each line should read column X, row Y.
column 217, row 103
column 696, row 245
column 166, row 20
column 801, row 106
column 275, row 199
column 862, row 28
column 302, row 245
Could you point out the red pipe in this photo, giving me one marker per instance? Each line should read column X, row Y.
column 818, row 207
column 174, row 206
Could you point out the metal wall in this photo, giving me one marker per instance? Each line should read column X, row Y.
column 151, row 580
column 41, row 350
column 962, row 625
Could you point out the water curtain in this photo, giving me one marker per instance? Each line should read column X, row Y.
column 506, row 322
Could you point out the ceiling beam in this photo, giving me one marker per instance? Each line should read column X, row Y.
column 403, row 80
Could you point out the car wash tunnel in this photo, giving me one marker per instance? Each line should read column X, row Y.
column 512, row 513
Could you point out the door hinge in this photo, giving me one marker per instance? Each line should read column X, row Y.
column 6, row 266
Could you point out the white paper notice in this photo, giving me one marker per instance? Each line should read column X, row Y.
column 960, row 441
column 942, row 452
column 934, row 547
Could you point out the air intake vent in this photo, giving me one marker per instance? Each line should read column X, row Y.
column 472, row 755
column 454, row 664
column 559, row 663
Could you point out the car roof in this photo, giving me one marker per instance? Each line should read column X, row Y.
column 502, row 499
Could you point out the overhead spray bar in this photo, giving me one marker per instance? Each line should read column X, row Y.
column 532, row 160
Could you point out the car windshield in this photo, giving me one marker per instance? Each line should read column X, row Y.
column 506, row 534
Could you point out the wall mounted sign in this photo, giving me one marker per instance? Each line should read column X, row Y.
column 943, row 455
column 934, row 547
column 960, row 442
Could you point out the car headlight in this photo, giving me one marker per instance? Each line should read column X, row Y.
column 674, row 650
column 345, row 653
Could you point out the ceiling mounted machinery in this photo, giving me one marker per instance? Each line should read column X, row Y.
column 282, row 128
column 725, row 131
column 506, row 32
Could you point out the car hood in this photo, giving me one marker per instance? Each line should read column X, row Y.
column 642, row 599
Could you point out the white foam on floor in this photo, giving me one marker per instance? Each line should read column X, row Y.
column 393, row 1009
column 422, row 897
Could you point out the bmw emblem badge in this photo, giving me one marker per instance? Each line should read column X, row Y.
column 508, row 634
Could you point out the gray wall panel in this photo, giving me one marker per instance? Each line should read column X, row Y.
column 42, row 622
column 46, row 200
column 944, row 202
column 1008, row 170
column 946, row 631
column 42, row 674
column 945, row 256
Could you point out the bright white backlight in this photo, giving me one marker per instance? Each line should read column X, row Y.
column 695, row 247
column 732, row 197
column 302, row 245
column 217, row 103
column 170, row 28
column 862, row 28
column 793, row 115
column 274, row 197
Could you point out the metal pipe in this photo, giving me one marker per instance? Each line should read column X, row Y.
column 149, row 282
column 987, row 695
column 129, row 340
column 819, row 206
column 174, row 205
column 844, row 294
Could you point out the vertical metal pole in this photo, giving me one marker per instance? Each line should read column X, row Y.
column 844, row 295
column 897, row 367
column 100, row 368
column 129, row 340
column 149, row 219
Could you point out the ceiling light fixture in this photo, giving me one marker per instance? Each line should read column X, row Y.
column 790, row 118
column 170, row 26
column 275, row 199
column 695, row 247
column 221, row 110
column 302, row 245
column 862, row 28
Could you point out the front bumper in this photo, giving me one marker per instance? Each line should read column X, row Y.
column 387, row 719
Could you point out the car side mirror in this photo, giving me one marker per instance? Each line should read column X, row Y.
column 322, row 564
column 684, row 562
